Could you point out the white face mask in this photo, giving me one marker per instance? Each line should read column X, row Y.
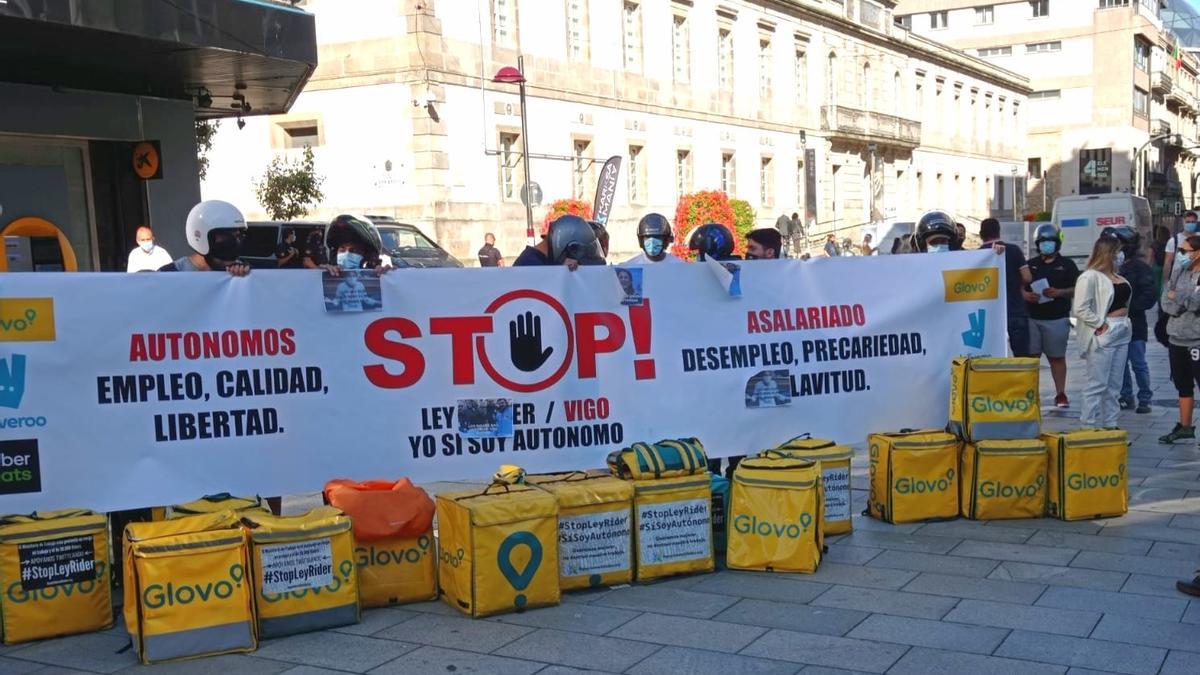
column 1120, row 260
column 349, row 260
column 938, row 248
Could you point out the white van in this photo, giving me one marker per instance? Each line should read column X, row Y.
column 1082, row 217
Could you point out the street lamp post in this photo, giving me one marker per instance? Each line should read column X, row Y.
column 510, row 75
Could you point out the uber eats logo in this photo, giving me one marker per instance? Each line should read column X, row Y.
column 994, row 488
column 20, row 470
column 906, row 485
column 750, row 524
column 1005, row 406
column 1087, row 481
column 171, row 594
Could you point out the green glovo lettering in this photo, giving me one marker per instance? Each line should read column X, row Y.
column 905, row 485
column 751, row 524
column 1085, row 481
column 992, row 489
column 1005, row 406
column 369, row 556
column 157, row 596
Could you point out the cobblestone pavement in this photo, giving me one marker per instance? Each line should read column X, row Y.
column 1028, row 596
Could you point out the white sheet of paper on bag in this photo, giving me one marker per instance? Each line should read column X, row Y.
column 1038, row 286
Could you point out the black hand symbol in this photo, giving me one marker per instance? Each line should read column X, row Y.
column 525, row 341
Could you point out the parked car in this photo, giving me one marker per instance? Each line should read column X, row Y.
column 258, row 249
column 409, row 247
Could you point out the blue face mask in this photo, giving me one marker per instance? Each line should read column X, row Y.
column 653, row 246
column 1182, row 259
column 1190, row 227
column 1046, row 247
column 938, row 248
column 1120, row 259
column 146, row 246
column 349, row 260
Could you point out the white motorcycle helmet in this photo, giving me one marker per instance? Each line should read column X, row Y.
column 208, row 217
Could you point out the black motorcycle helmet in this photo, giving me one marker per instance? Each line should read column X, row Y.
column 354, row 230
column 712, row 240
column 655, row 225
column 934, row 224
column 1128, row 237
column 575, row 238
column 601, row 236
column 1047, row 232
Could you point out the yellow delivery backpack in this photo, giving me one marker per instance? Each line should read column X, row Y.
column 665, row 459
column 54, row 573
column 186, row 589
column 303, row 571
column 1003, row 479
column 595, row 535
column 673, row 526
column 1087, row 473
column 219, row 502
column 993, row 398
column 914, row 476
column 776, row 515
column 834, row 461
column 498, row 549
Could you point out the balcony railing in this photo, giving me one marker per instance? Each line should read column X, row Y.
column 1160, row 81
column 870, row 125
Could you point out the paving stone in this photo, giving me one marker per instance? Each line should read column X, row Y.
column 1075, row 526
column 1184, row 520
column 564, row 670
column 1031, row 618
column 1059, row 576
column 586, row 596
column 940, row 564
column 1181, row 663
column 1043, row 555
column 1175, row 551
column 850, row 555
column 1073, row 651
column 681, row 631
column 1161, row 532
column 97, row 652
column 1189, row 504
column 1133, row 563
column 767, row 587
column 898, row 541
column 1192, row 615
column 438, row 660
column 572, row 617
column 696, row 662
column 978, row 531
column 924, row 633
column 1180, row 476
column 822, row 670
column 375, row 620
column 578, row 650
column 1109, row 602
column 667, row 601
column 897, row 603
column 804, row 618
column 227, row 664
column 822, row 650
column 978, row 589
column 865, row 577
column 922, row 661
column 1092, row 542
column 1146, row 584
column 455, row 632
column 15, row 667
column 434, row 607
column 1148, row 632
column 334, row 650
column 868, row 524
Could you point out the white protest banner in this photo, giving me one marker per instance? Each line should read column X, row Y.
column 121, row 391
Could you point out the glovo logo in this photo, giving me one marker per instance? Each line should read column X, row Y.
column 1084, row 481
column 369, row 556
column 1005, row 406
column 916, row 486
column 971, row 284
column 750, row 524
column 998, row 489
column 345, row 569
column 17, row 595
column 27, row 320
column 519, row 580
column 452, row 559
column 157, row 595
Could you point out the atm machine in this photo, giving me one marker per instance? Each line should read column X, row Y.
column 36, row 245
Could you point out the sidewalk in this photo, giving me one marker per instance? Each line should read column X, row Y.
column 1026, row 596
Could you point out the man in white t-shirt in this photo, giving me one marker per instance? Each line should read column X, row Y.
column 1189, row 228
column 148, row 256
column 654, row 236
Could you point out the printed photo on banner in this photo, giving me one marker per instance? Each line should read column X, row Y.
column 769, row 389
column 352, row 291
column 485, row 418
column 630, row 279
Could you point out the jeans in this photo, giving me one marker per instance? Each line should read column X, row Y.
column 1137, row 363
column 1105, row 367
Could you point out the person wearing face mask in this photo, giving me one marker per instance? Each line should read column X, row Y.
column 148, row 256
column 215, row 230
column 1180, row 301
column 1190, row 227
column 1102, row 331
column 1049, row 311
column 763, row 244
column 654, row 236
column 935, row 233
column 1132, row 266
column 570, row 241
column 1016, row 278
column 355, row 244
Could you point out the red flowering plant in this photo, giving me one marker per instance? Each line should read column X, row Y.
column 698, row 208
column 566, row 207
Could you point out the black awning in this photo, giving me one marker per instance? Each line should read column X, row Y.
column 263, row 49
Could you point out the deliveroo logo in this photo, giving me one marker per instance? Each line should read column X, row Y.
column 519, row 580
column 973, row 337
column 12, row 381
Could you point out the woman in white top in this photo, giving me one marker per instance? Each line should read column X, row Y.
column 1102, row 331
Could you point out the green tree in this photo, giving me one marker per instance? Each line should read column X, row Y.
column 743, row 217
column 205, row 130
column 289, row 188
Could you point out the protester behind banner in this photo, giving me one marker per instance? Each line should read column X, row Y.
column 215, row 231
column 655, row 236
column 571, row 241
column 1016, row 278
column 148, row 256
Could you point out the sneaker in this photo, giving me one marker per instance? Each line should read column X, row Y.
column 1143, row 408
column 1180, row 432
column 1190, row 587
column 1060, row 401
column 1125, row 403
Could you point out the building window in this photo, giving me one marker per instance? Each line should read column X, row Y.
column 728, row 174
column 801, row 76
column 504, row 23
column 831, row 78
column 1039, row 8
column 636, row 175
column 1045, row 93
column 939, row 20
column 724, row 59
column 509, row 154
column 764, row 69
column 864, row 84
column 1141, row 103
column 984, row 16
column 1033, row 168
column 766, row 183
column 1141, row 55
column 301, row 136
column 683, row 172
column 633, row 37
column 1043, row 47
column 919, row 98
column 904, row 22
column 898, row 93
column 995, row 51
column 679, row 48
column 577, row 30
column 1104, row 4
column 581, row 167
